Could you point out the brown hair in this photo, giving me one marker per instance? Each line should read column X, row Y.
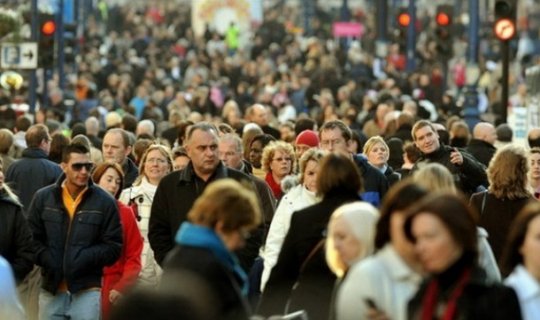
column 36, row 134
column 507, row 173
column 419, row 125
column 333, row 124
column 228, row 201
column 338, row 171
column 99, row 171
column 6, row 140
column 518, row 231
column 456, row 216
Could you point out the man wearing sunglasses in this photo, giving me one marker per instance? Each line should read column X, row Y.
column 76, row 233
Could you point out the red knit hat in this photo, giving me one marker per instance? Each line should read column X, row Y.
column 308, row 137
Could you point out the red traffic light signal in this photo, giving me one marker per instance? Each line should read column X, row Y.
column 404, row 19
column 48, row 28
column 443, row 19
column 505, row 19
column 505, row 29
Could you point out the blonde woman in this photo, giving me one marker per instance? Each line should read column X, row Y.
column 156, row 163
column 278, row 162
column 377, row 152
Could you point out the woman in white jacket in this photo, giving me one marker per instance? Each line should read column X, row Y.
column 522, row 255
column 299, row 197
column 156, row 163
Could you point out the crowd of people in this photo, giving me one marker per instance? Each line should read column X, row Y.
column 297, row 175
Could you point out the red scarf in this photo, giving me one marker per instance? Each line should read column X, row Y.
column 276, row 188
column 429, row 301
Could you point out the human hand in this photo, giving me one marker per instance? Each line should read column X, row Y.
column 114, row 296
column 456, row 157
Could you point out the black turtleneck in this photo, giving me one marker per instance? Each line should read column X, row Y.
column 450, row 277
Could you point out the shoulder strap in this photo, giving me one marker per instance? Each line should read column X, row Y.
column 483, row 203
column 316, row 248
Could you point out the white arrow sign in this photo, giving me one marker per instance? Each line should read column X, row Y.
column 22, row 55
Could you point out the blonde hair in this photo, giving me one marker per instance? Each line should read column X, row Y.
column 7, row 189
column 361, row 217
column 311, row 154
column 165, row 151
column 435, row 177
column 229, row 202
column 270, row 150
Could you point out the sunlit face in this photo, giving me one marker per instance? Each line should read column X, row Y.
column 332, row 140
column 156, row 166
column 435, row 246
column 345, row 243
column 229, row 154
column 426, row 140
column 180, row 162
column 281, row 164
column 77, row 170
column 310, row 175
column 110, row 181
column 114, row 149
column 378, row 155
column 534, row 159
column 530, row 249
column 202, row 149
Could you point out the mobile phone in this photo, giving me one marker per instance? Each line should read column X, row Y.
column 370, row 303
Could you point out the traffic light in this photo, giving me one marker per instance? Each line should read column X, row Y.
column 47, row 33
column 70, row 43
column 443, row 31
column 403, row 19
column 505, row 19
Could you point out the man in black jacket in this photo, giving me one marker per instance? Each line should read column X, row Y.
column 116, row 148
column 34, row 171
column 177, row 192
column 77, row 232
column 469, row 174
column 481, row 145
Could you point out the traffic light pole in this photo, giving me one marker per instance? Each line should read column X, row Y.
column 60, row 22
column 505, row 48
column 33, row 78
column 411, row 38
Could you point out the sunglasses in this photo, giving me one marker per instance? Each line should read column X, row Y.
column 78, row 166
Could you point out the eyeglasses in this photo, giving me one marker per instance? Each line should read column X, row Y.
column 79, row 166
column 156, row 160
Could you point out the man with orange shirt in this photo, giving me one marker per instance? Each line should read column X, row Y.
column 76, row 232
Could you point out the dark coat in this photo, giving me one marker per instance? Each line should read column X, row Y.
column 481, row 150
column 391, row 176
column 203, row 266
column 131, row 172
column 479, row 300
column 314, row 289
column 175, row 195
column 75, row 250
column 497, row 217
column 468, row 176
column 31, row 173
column 375, row 183
column 15, row 237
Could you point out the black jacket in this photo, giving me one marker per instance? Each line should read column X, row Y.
column 15, row 237
column 468, row 176
column 479, row 300
column 201, row 265
column 375, row 183
column 32, row 172
column 76, row 251
column 175, row 195
column 481, row 150
column 314, row 290
column 131, row 172
column 392, row 176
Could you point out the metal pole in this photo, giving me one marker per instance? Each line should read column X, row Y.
column 474, row 26
column 382, row 14
column 505, row 48
column 60, row 41
column 411, row 38
column 34, row 35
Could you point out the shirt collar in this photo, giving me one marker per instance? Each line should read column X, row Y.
column 188, row 173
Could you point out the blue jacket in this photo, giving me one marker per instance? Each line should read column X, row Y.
column 76, row 251
column 375, row 183
column 31, row 173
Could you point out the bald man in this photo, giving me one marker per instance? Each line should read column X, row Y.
column 534, row 137
column 482, row 145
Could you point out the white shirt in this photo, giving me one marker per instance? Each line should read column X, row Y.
column 383, row 278
column 296, row 199
column 528, row 291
